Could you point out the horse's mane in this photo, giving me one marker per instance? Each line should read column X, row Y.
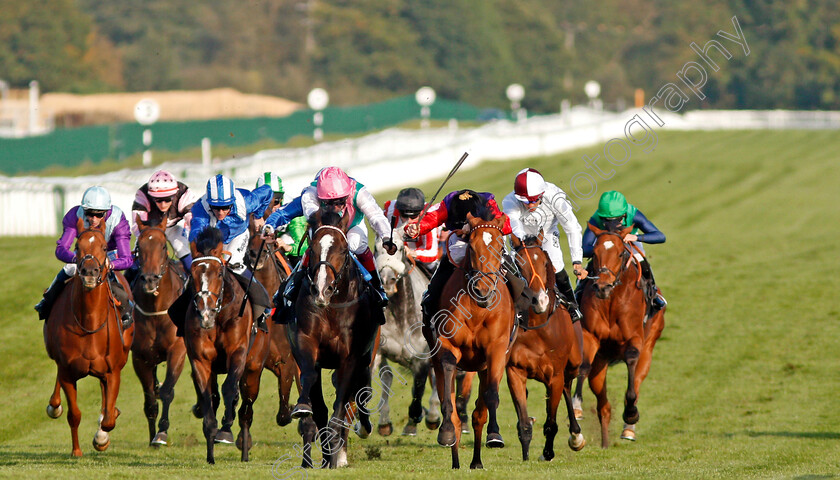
column 530, row 241
column 208, row 239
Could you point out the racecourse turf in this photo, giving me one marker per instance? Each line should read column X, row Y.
column 744, row 381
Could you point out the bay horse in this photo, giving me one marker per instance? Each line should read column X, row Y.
column 220, row 341
column 472, row 331
column 333, row 330
column 84, row 336
column 159, row 283
column 401, row 339
column 615, row 328
column 271, row 268
column 545, row 350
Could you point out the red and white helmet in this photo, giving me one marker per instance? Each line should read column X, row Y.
column 529, row 185
column 162, row 184
column 333, row 183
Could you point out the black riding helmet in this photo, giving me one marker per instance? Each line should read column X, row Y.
column 410, row 202
column 466, row 201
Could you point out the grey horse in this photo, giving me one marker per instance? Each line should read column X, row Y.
column 401, row 338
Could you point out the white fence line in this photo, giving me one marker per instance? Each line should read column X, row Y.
column 384, row 160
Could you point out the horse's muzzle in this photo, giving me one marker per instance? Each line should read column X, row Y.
column 603, row 291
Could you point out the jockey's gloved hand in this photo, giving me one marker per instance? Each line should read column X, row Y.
column 389, row 246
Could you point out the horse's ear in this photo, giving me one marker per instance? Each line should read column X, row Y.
column 218, row 251
column 597, row 231
column 162, row 224
column 540, row 237
column 473, row 221
column 194, row 250
column 515, row 242
column 344, row 224
column 80, row 225
column 138, row 222
column 500, row 222
column 625, row 231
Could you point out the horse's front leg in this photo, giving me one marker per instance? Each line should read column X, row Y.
column 598, row 385
column 346, row 378
column 444, row 365
column 54, row 409
column 174, row 366
column 202, row 374
column 433, row 416
column 631, row 358
column 415, row 409
column 516, row 384
column 74, row 415
column 386, row 378
column 590, row 348
column 230, row 395
column 147, row 382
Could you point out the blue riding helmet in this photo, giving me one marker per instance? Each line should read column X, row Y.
column 96, row 198
column 220, row 191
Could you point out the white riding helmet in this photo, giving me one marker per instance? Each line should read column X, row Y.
column 96, row 198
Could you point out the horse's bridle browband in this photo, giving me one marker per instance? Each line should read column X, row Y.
column 208, row 293
column 314, row 267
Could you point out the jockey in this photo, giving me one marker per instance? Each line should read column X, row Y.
column 173, row 199
column 228, row 209
column 334, row 191
column 95, row 208
column 535, row 205
column 292, row 234
column 614, row 214
column 408, row 205
column 452, row 213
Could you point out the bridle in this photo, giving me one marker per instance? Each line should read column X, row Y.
column 534, row 276
column 100, row 266
column 314, row 266
column 625, row 262
column 206, row 294
column 157, row 276
column 474, row 276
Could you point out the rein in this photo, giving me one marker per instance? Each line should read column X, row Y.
column 473, row 275
column 337, row 273
column 533, row 276
column 625, row 264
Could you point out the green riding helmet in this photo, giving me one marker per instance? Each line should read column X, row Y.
column 611, row 205
column 269, row 178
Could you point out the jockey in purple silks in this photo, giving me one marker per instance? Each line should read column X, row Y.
column 95, row 208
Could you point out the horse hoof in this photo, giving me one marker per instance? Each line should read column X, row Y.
column 577, row 442
column 301, row 410
column 546, row 457
column 432, row 424
column 239, row 442
column 465, row 428
column 446, row 438
column 196, row 411
column 578, row 414
column 54, row 412
column 476, row 465
column 360, row 430
column 224, row 436
column 342, row 459
column 283, row 418
column 160, row 439
column 101, row 441
column 410, row 430
column 385, row 429
column 631, row 417
column 494, row 440
column 628, row 434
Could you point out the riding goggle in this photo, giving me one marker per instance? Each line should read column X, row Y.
column 613, row 224
column 95, row 213
column 163, row 200
column 278, row 198
column 220, row 208
column 409, row 215
column 334, row 202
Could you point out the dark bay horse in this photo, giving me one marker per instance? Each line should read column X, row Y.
column 615, row 328
column 401, row 338
column 84, row 336
column 271, row 268
column 472, row 331
column 220, row 341
column 545, row 350
column 333, row 330
column 157, row 287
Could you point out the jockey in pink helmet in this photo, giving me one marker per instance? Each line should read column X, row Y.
column 163, row 196
column 334, row 191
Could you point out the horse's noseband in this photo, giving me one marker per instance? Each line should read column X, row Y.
column 625, row 257
column 207, row 293
column 337, row 273
column 474, row 276
column 99, row 266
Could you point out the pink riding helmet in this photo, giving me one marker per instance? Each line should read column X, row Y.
column 162, row 184
column 333, row 183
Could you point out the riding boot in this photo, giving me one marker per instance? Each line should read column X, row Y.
column 581, row 284
column 51, row 294
column 132, row 273
column 286, row 295
column 378, row 293
column 657, row 301
column 186, row 262
column 521, row 295
column 564, row 287
column 126, row 305
column 258, row 296
column 431, row 297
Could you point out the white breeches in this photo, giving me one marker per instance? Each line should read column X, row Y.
column 237, row 248
column 178, row 238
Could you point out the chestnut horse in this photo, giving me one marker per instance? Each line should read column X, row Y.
column 472, row 331
column 220, row 341
column 158, row 285
column 271, row 269
column 84, row 336
column 545, row 350
column 615, row 328
column 333, row 330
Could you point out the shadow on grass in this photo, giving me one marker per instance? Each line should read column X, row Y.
column 10, row 457
column 817, row 435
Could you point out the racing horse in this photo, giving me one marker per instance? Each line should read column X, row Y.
column 333, row 330
column 472, row 331
column 615, row 327
column 220, row 340
column 545, row 350
column 84, row 336
column 401, row 339
column 271, row 268
column 159, row 283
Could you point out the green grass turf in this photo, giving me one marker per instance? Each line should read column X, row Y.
column 744, row 380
